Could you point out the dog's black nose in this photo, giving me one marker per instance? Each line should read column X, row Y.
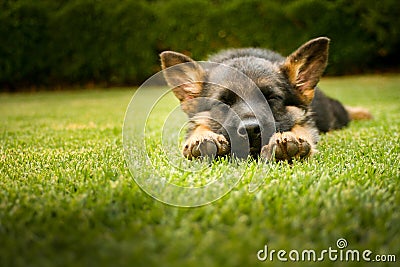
column 249, row 128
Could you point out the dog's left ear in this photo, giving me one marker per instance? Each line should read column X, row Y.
column 305, row 66
column 183, row 74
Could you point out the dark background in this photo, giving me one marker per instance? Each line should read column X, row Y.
column 54, row 44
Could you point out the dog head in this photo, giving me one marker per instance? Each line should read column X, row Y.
column 246, row 96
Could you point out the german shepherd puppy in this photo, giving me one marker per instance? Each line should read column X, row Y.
column 235, row 101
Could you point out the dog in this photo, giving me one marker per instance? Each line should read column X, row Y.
column 255, row 102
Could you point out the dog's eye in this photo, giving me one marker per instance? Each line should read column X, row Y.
column 270, row 95
column 228, row 98
column 273, row 97
column 277, row 97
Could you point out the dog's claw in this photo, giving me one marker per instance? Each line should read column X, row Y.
column 305, row 148
column 292, row 149
column 208, row 145
column 286, row 146
column 208, row 149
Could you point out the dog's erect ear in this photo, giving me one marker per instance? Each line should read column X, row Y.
column 185, row 79
column 305, row 66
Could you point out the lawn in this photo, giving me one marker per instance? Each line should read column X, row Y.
column 67, row 197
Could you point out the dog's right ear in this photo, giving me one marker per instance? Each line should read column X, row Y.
column 305, row 66
column 183, row 74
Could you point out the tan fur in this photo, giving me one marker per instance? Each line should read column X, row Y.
column 296, row 113
column 358, row 113
column 200, row 135
column 305, row 66
column 299, row 143
column 308, row 95
column 185, row 79
column 308, row 134
column 292, row 67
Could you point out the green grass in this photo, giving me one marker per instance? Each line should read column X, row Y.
column 68, row 199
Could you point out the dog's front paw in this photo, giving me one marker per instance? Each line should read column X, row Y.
column 286, row 146
column 208, row 144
